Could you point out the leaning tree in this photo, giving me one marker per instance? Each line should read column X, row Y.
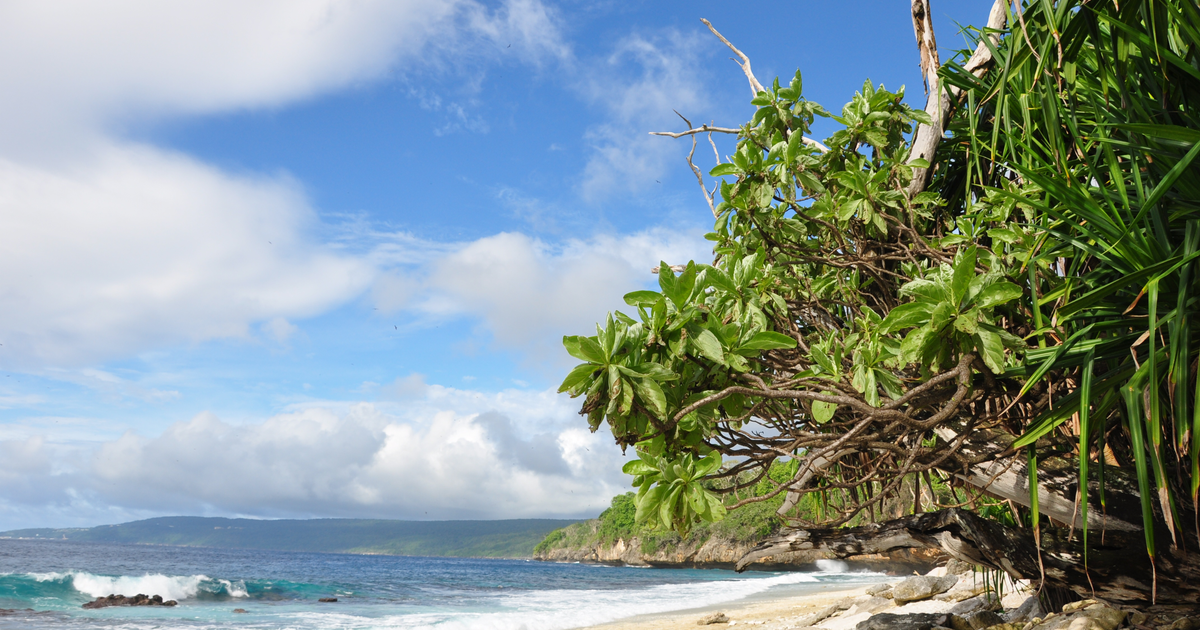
column 995, row 292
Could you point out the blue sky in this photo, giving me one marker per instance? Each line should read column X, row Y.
column 296, row 258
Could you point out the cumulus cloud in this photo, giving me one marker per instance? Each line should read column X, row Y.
column 115, row 247
column 447, row 453
column 529, row 293
column 668, row 78
column 143, row 248
column 86, row 66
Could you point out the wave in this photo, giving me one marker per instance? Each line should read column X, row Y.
column 73, row 587
column 558, row 609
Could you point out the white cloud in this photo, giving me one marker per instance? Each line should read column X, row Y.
column 114, row 247
column 143, row 248
column 279, row 329
column 81, row 66
column 446, row 453
column 668, row 78
column 529, row 293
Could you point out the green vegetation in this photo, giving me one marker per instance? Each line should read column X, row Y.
column 476, row 539
column 879, row 317
column 618, row 523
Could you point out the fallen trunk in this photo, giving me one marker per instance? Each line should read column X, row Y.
column 1116, row 568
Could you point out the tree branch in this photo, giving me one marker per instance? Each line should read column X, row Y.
column 940, row 102
column 755, row 86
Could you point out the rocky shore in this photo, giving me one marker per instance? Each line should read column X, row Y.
column 716, row 553
column 954, row 597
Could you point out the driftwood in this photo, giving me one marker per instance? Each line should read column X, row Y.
column 1117, row 568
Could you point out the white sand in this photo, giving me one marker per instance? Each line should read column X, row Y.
column 758, row 614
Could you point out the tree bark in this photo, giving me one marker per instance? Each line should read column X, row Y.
column 1116, row 568
column 940, row 102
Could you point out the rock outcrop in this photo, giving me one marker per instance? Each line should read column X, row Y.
column 724, row 554
column 136, row 600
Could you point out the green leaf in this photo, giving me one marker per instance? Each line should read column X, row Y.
column 964, row 272
column 638, row 467
column 906, row 316
column 648, row 503
column 708, row 465
column 768, row 340
column 642, row 298
column 584, row 349
column 724, row 169
column 823, row 411
column 578, row 376
column 666, row 278
column 822, row 359
column 991, row 350
column 708, row 345
column 652, row 395
column 968, row 322
column 996, row 294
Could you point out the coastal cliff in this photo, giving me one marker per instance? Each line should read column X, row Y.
column 615, row 539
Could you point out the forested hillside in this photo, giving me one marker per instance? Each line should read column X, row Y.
column 483, row 539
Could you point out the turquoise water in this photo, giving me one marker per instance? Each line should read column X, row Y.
column 280, row 589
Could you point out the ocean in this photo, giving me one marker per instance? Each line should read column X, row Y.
column 280, row 590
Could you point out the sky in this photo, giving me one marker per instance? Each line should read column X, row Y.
column 315, row 258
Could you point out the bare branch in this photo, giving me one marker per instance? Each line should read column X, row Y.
column 755, row 86
column 699, row 176
column 710, row 129
column 940, row 102
column 692, row 132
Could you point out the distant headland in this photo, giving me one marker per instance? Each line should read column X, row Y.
column 514, row 538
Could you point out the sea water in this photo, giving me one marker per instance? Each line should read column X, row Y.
column 281, row 589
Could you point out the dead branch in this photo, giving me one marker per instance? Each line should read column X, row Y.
column 940, row 102
column 755, row 86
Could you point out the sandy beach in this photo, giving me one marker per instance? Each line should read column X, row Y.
column 757, row 612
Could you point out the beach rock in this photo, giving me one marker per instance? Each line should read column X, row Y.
column 881, row 590
column 917, row 621
column 955, row 566
column 922, row 587
column 137, row 600
column 817, row 617
column 1071, row 607
column 239, row 610
column 1182, row 623
column 974, row 604
column 1028, row 609
column 977, row 620
column 1094, row 617
column 846, row 621
column 327, row 599
column 870, row 604
column 713, row 619
column 962, row 590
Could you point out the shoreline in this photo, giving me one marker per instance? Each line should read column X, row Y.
column 759, row 609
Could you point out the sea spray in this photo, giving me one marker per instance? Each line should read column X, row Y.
column 832, row 566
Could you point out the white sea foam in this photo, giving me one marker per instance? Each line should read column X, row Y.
column 560, row 609
column 168, row 586
column 833, row 566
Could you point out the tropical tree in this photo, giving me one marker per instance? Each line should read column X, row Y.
column 993, row 293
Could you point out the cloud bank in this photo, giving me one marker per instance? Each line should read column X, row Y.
column 445, row 453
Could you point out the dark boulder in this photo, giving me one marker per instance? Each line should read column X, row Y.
column 327, row 599
column 137, row 600
column 913, row 621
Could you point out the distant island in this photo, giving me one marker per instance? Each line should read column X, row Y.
column 459, row 539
